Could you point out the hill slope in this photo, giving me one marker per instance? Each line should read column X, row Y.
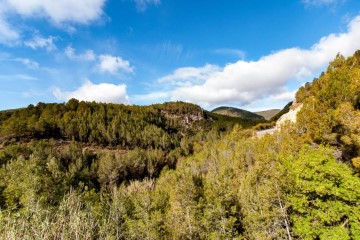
column 156, row 135
column 236, row 112
column 286, row 109
column 267, row 114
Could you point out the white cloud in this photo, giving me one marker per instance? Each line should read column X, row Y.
column 113, row 65
column 154, row 96
column 59, row 11
column 142, row 5
column 70, row 52
column 190, row 75
column 168, row 49
column 103, row 92
column 229, row 51
column 28, row 62
column 322, row 2
column 7, row 33
column 33, row 93
column 284, row 96
column 88, row 55
column 40, row 42
column 245, row 82
column 25, row 61
column 22, row 77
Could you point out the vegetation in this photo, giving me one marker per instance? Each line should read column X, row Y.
column 177, row 172
column 119, row 143
column 235, row 112
column 286, row 109
column 268, row 114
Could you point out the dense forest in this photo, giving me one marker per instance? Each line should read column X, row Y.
column 173, row 171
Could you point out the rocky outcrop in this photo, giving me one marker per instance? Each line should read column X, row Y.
column 290, row 116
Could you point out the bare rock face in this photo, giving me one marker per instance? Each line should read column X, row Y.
column 290, row 116
column 188, row 119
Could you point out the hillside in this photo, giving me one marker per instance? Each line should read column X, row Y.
column 111, row 124
column 160, row 133
column 268, row 114
column 173, row 171
column 286, row 109
column 236, row 112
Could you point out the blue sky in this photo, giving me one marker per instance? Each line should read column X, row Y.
column 250, row 54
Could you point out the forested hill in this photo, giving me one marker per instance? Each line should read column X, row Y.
column 236, row 112
column 148, row 138
column 158, row 126
column 185, row 181
column 268, row 114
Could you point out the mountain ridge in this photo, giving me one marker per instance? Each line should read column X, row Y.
column 237, row 112
column 269, row 113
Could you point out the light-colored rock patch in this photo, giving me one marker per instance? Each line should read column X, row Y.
column 290, row 116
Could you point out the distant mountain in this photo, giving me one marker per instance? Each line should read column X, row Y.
column 236, row 112
column 267, row 114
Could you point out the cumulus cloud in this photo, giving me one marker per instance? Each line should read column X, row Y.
column 114, row 65
column 142, row 5
column 88, row 55
column 244, row 82
column 103, row 92
column 59, row 11
column 40, row 42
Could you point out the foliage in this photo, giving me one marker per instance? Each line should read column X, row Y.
column 286, row 109
column 323, row 195
column 331, row 111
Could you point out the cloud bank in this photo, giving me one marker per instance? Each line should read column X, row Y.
column 103, row 92
column 245, row 82
column 59, row 11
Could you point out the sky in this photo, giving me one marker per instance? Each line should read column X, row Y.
column 250, row 54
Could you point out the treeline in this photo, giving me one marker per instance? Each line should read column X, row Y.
column 105, row 124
